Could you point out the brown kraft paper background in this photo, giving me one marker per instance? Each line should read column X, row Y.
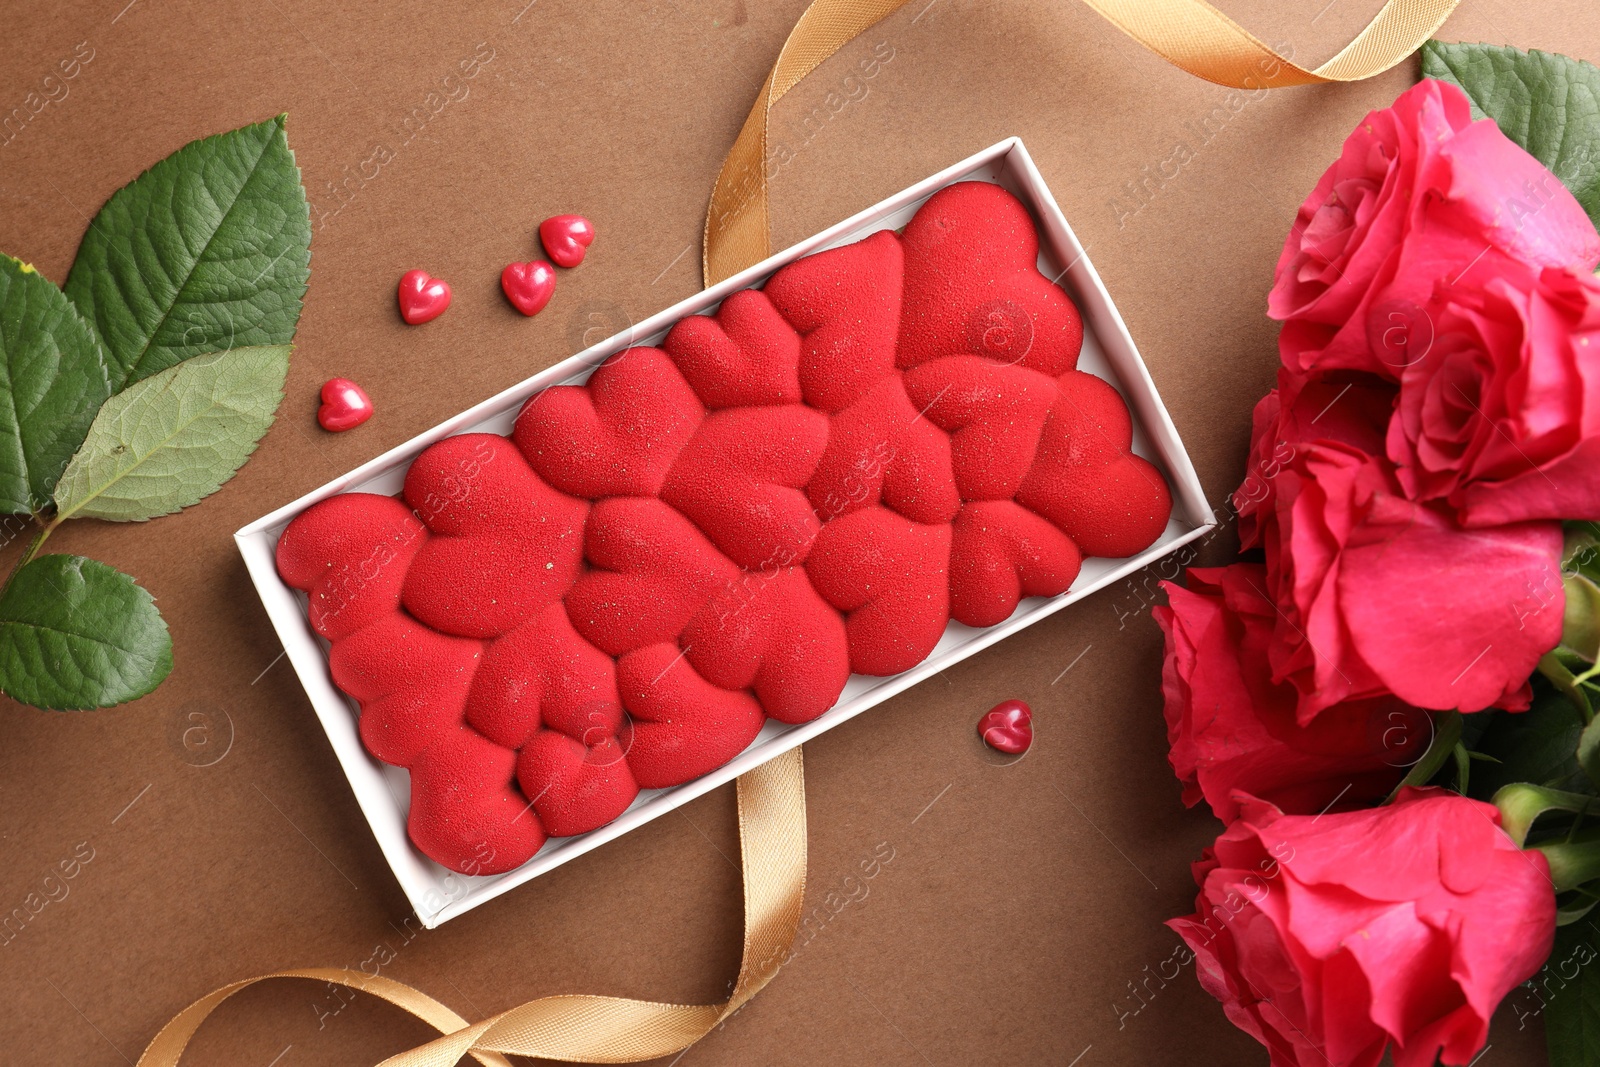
column 963, row 912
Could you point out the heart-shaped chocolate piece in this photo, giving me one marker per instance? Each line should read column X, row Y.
column 1086, row 478
column 529, row 286
column 1008, row 727
column 1001, row 552
column 345, row 405
column 619, row 434
column 679, row 726
column 881, row 450
column 650, row 571
column 740, row 479
column 566, row 238
column 973, row 285
column 890, row 576
column 770, row 632
column 744, row 355
column 994, row 414
column 423, row 297
column 505, row 544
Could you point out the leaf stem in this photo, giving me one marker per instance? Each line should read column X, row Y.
column 29, row 552
column 1563, row 679
column 1446, row 737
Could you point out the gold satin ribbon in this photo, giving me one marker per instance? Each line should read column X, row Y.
column 772, row 815
column 1190, row 34
column 593, row 1029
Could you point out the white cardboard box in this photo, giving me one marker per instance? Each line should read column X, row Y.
column 383, row 792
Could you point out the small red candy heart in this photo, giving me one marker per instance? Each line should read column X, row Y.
column 422, row 298
column 566, row 238
column 345, row 406
column 1008, row 727
column 528, row 286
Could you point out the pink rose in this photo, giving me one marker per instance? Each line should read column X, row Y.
column 1421, row 195
column 1345, row 407
column 1327, row 938
column 1232, row 728
column 1379, row 594
column 1501, row 417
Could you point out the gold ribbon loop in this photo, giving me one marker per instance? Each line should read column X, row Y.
column 1195, row 36
column 1190, row 34
column 592, row 1029
column 168, row 1045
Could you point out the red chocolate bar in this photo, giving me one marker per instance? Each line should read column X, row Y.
column 811, row 482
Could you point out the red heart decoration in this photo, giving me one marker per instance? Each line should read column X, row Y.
column 973, row 285
column 618, row 434
column 505, row 546
column 890, row 576
column 1008, row 727
column 529, row 286
column 566, row 238
column 466, row 811
column 846, row 304
column 345, row 405
column 881, row 451
column 771, row 633
column 423, row 298
column 544, row 674
column 651, row 572
column 743, row 355
column 1000, row 552
column 575, row 786
column 680, row 726
column 350, row 554
column 1085, row 477
column 741, row 478
column 994, row 414
column 411, row 682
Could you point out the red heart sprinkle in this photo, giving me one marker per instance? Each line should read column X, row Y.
column 345, row 405
column 422, row 298
column 566, row 238
column 528, row 286
column 1008, row 727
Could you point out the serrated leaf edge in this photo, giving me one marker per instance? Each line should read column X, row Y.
column 174, row 369
column 162, row 666
column 281, row 122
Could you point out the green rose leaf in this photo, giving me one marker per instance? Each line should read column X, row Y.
column 172, row 439
column 1538, row 745
column 76, row 634
column 207, row 250
column 1571, row 982
column 1549, row 104
column 55, row 376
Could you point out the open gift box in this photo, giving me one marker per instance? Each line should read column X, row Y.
column 1108, row 352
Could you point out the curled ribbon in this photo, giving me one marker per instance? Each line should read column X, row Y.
column 1192, row 35
column 593, row 1029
